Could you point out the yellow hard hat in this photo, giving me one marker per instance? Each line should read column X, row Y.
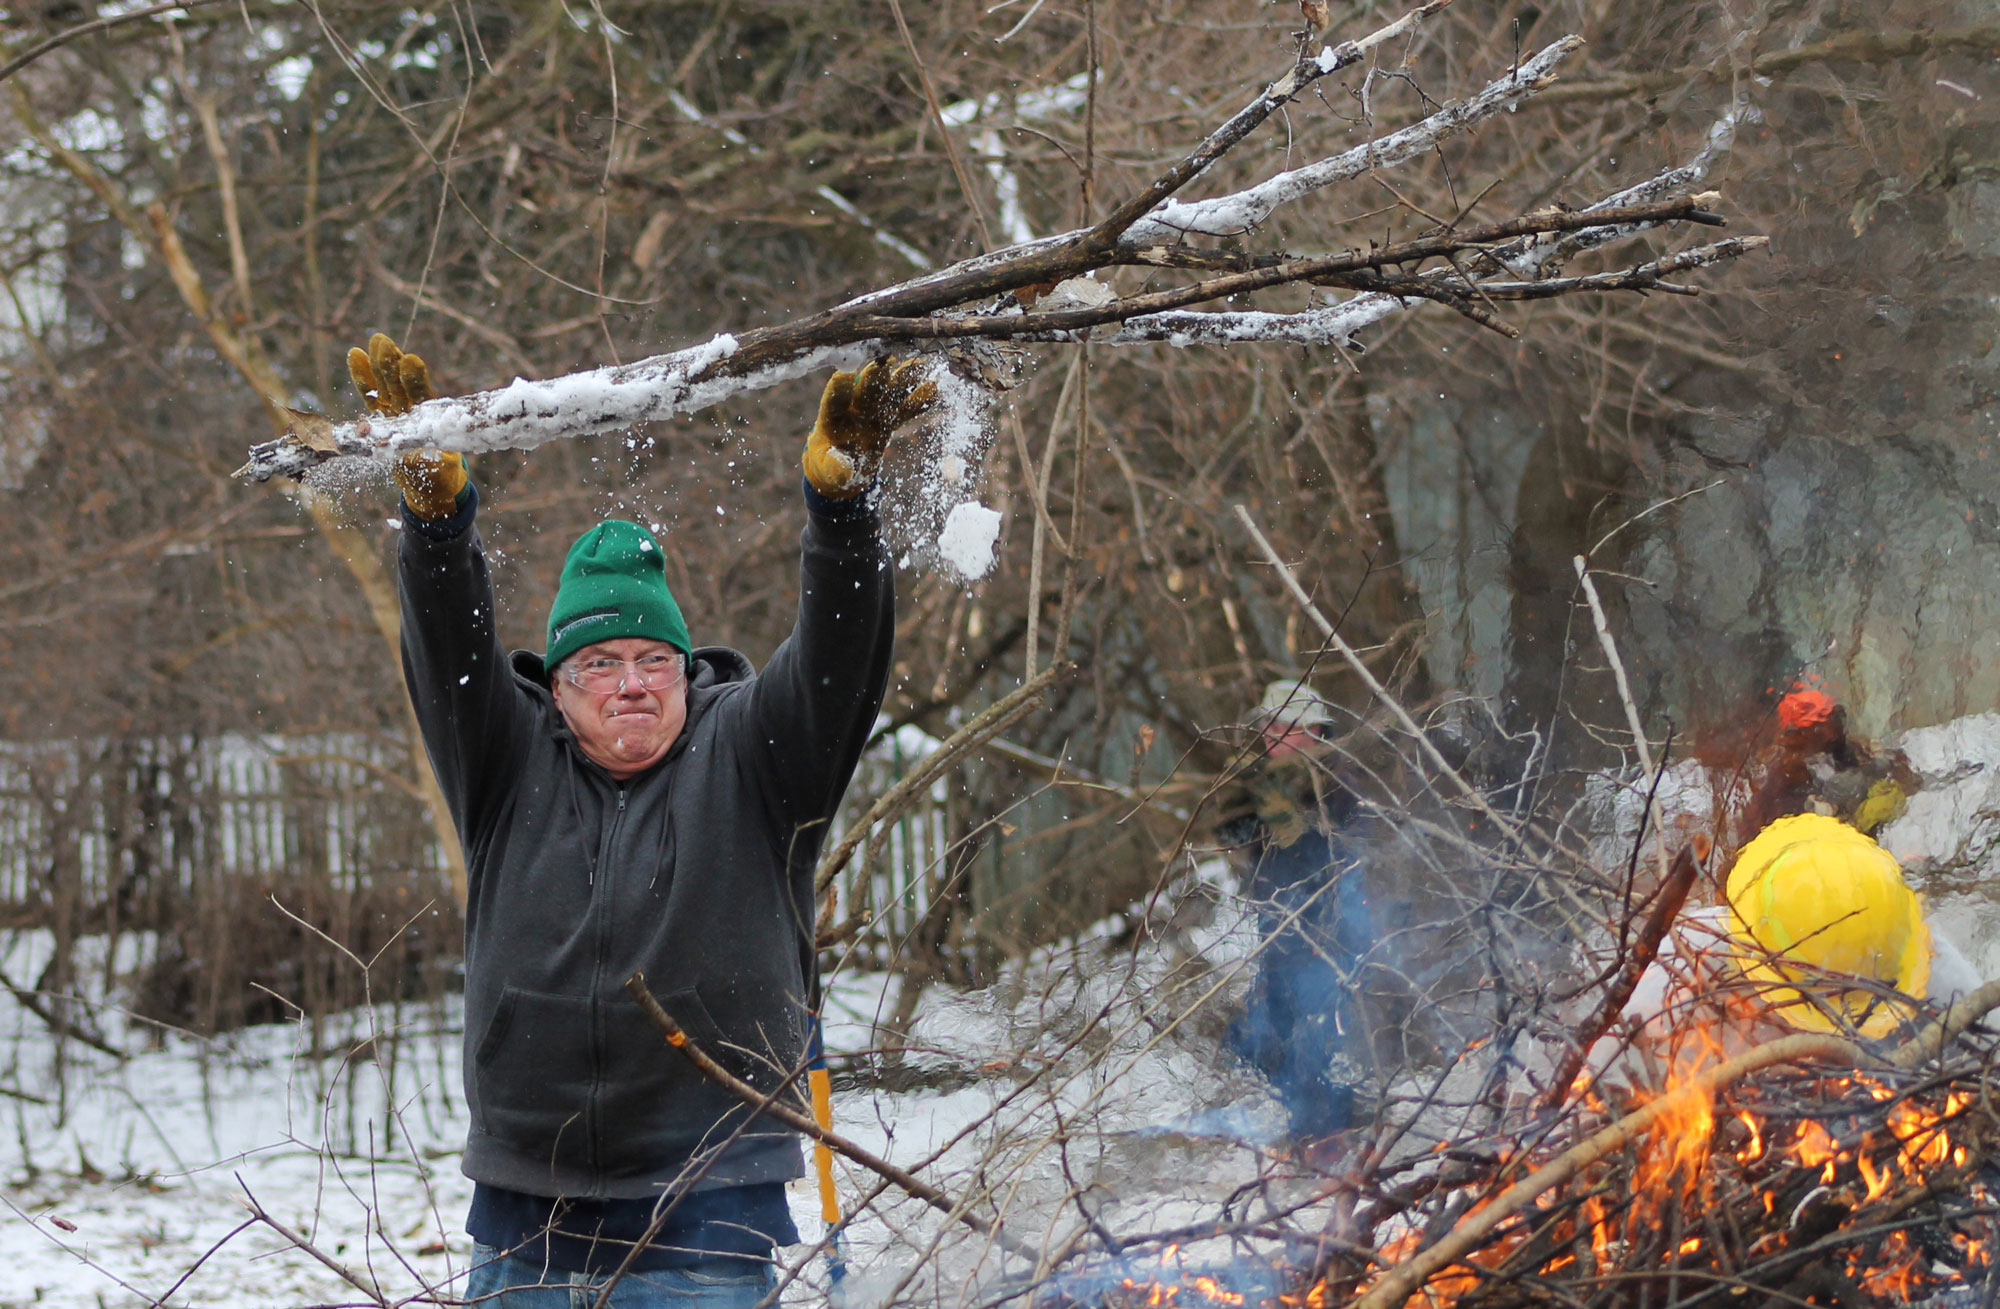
column 1814, row 890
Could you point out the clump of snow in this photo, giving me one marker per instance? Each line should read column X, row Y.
column 1327, row 59
column 963, row 414
column 930, row 480
column 966, row 543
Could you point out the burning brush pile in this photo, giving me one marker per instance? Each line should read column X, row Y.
column 1718, row 1153
column 1776, row 1121
column 1794, row 1186
column 1806, row 1170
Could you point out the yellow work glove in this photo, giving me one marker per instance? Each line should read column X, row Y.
column 858, row 413
column 392, row 382
column 1884, row 804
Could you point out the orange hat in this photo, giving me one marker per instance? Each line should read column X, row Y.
column 1804, row 706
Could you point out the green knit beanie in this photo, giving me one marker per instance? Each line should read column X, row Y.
column 614, row 585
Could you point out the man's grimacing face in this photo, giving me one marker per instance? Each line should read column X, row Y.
column 627, row 730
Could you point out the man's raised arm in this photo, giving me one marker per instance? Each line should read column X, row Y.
column 817, row 698
column 453, row 664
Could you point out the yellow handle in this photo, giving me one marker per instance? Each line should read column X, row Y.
column 822, row 1097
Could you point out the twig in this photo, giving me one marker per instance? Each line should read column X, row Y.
column 1309, row 69
column 1861, row 45
column 33, row 1001
column 800, row 1122
column 1038, row 495
column 1225, row 215
column 1639, row 277
column 1610, row 645
column 1667, row 902
column 1929, row 1043
column 80, row 1255
column 1061, row 772
column 340, row 1270
column 1632, row 722
column 195, row 1267
column 994, row 718
column 68, row 34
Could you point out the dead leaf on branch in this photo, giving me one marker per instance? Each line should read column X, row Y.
column 311, row 430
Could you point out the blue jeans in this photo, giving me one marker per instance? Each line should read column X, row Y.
column 502, row 1281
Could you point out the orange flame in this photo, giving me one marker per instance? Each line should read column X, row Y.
column 1754, row 1150
column 1677, row 1169
column 1814, row 1146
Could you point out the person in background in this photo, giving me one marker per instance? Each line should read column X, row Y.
column 1301, row 1025
column 1818, row 931
column 1816, row 765
column 628, row 802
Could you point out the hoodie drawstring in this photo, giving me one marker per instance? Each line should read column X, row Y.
column 576, row 812
column 667, row 836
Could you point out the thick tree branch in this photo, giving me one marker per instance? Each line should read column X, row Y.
column 919, row 312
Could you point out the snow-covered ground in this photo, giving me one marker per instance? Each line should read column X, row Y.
column 122, row 1176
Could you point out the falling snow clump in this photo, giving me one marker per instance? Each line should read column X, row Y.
column 932, row 472
column 966, row 543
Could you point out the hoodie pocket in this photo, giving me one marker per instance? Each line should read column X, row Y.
column 646, row 1114
column 534, row 1069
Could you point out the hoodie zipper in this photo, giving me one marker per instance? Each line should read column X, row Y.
column 601, row 944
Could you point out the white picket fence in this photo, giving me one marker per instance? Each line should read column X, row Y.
column 158, row 816
column 171, row 811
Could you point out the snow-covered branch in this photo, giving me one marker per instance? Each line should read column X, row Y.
column 1231, row 214
column 993, row 296
column 1336, row 324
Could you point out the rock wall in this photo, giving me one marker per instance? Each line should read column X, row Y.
column 1814, row 460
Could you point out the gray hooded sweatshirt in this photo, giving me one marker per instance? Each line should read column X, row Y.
column 697, row 872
